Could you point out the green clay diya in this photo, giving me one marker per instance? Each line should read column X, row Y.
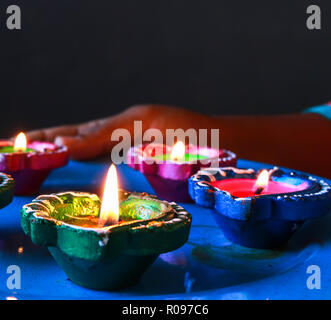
column 6, row 189
column 105, row 257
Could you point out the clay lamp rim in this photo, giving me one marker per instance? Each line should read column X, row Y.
column 102, row 229
column 45, row 230
column 298, row 205
column 222, row 155
column 37, row 157
column 6, row 189
column 175, row 170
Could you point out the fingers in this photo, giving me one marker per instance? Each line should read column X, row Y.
column 80, row 145
column 93, row 127
column 51, row 133
column 84, row 141
column 92, row 139
column 83, row 148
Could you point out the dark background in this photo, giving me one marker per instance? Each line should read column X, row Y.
column 79, row 60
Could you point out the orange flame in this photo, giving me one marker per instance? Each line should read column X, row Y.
column 109, row 213
column 20, row 143
column 178, row 151
column 262, row 180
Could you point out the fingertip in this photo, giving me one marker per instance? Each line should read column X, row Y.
column 73, row 144
column 69, row 142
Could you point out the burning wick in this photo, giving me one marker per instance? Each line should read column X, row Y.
column 261, row 182
column 109, row 213
column 20, row 143
column 178, row 151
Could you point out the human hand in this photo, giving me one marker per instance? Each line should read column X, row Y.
column 92, row 139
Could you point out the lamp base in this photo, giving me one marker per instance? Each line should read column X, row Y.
column 264, row 234
column 109, row 273
column 168, row 189
column 28, row 181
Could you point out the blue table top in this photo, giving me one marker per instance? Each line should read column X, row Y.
column 208, row 266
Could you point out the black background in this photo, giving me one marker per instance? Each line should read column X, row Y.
column 79, row 60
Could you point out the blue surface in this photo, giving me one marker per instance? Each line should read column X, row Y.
column 207, row 267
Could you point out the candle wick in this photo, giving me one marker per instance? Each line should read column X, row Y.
column 259, row 190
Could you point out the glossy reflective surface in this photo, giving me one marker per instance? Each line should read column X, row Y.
column 207, row 267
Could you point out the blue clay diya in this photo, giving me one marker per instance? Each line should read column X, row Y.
column 260, row 217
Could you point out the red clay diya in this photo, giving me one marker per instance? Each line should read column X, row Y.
column 167, row 168
column 30, row 164
column 6, row 189
column 105, row 245
column 260, row 210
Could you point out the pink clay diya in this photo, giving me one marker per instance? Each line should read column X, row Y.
column 30, row 164
column 169, row 175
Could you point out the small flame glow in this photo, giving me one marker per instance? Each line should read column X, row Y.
column 178, row 151
column 109, row 213
column 20, row 142
column 262, row 180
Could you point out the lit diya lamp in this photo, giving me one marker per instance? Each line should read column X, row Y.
column 167, row 168
column 6, row 189
column 260, row 210
column 108, row 244
column 30, row 163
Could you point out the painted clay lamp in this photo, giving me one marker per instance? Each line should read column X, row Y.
column 167, row 169
column 30, row 164
column 6, row 189
column 260, row 210
column 108, row 245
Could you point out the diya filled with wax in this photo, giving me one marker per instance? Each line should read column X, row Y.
column 167, row 169
column 30, row 163
column 108, row 244
column 260, row 209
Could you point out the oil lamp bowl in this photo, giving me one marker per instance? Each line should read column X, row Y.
column 170, row 179
column 260, row 221
column 30, row 169
column 110, row 257
column 6, row 189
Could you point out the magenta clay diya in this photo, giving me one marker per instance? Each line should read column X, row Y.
column 167, row 169
column 30, row 164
